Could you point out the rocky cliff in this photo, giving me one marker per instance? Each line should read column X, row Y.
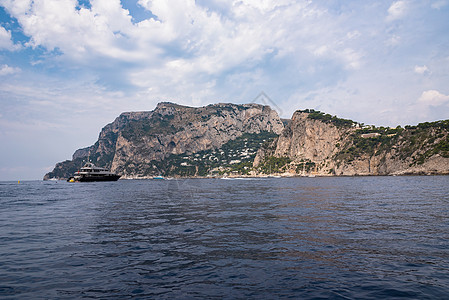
column 138, row 144
column 250, row 139
column 315, row 143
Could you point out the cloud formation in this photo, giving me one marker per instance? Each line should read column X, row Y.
column 397, row 10
column 196, row 50
column 433, row 98
column 65, row 61
column 421, row 69
column 5, row 40
column 7, row 70
column 439, row 4
column 184, row 39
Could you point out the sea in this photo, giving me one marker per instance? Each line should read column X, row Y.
column 241, row 238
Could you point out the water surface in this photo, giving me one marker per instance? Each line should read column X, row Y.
column 338, row 238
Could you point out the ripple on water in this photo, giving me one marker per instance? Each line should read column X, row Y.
column 340, row 238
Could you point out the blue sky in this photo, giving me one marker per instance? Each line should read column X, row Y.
column 67, row 67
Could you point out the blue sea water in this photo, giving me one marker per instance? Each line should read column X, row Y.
column 300, row 238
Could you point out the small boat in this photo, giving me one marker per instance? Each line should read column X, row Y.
column 90, row 173
column 158, row 177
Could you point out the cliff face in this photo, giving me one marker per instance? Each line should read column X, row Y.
column 308, row 139
column 309, row 144
column 223, row 139
column 173, row 129
column 135, row 140
column 319, row 144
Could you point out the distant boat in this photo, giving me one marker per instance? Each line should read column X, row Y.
column 90, row 173
column 158, row 177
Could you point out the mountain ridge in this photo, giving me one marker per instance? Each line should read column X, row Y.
column 319, row 144
column 131, row 143
column 250, row 139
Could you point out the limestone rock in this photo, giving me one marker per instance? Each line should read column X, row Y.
column 332, row 146
column 138, row 138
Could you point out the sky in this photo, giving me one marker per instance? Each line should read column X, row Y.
column 68, row 67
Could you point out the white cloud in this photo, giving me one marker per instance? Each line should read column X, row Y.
column 421, row 69
column 343, row 57
column 394, row 40
column 439, row 4
column 352, row 58
column 104, row 30
column 190, row 47
column 353, row 34
column 7, row 70
column 397, row 10
column 5, row 40
column 433, row 98
column 242, row 39
column 186, row 38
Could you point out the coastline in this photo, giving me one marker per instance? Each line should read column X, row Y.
column 290, row 175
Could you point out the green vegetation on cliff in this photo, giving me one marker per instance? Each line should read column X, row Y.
column 233, row 157
column 358, row 146
column 273, row 164
column 153, row 126
column 327, row 118
column 140, row 143
column 432, row 137
column 305, row 166
column 417, row 143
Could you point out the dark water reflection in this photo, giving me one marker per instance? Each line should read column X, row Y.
column 341, row 238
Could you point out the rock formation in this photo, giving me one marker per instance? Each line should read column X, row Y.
column 223, row 139
column 131, row 143
column 318, row 144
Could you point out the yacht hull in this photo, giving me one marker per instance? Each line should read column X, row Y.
column 91, row 173
column 98, row 178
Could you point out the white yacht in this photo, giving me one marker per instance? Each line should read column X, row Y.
column 90, row 172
